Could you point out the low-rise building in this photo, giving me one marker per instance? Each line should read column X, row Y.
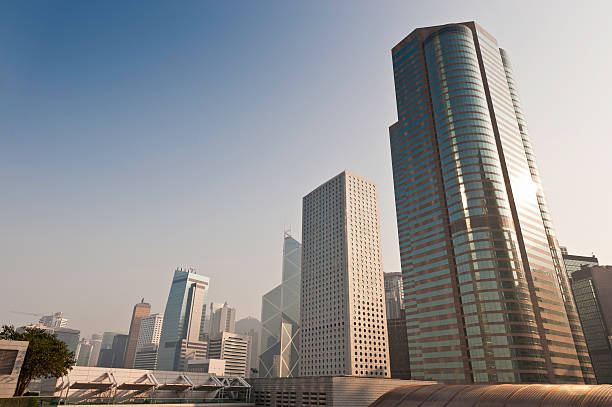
column 95, row 385
column 12, row 355
column 212, row 366
column 336, row 391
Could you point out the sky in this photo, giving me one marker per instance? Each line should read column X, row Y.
column 141, row 136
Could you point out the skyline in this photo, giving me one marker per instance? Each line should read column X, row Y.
column 68, row 210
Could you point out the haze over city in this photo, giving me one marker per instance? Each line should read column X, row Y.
column 138, row 137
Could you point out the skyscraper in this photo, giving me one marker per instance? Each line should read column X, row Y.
column 96, row 345
column 574, row 262
column 150, row 330
column 119, row 347
column 394, row 294
column 223, row 320
column 591, row 287
column 280, row 317
column 399, row 361
column 69, row 336
column 183, row 324
column 342, row 301
column 141, row 310
column 148, row 342
column 83, row 352
column 487, row 298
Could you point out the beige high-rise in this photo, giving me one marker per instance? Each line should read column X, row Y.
column 141, row 310
column 342, row 302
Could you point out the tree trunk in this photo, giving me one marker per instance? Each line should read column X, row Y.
column 22, row 385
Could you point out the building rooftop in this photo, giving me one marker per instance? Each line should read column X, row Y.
column 507, row 395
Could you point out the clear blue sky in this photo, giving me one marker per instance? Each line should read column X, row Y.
column 136, row 137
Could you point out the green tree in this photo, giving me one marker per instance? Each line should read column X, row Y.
column 46, row 356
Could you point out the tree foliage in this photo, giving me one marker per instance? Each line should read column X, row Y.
column 46, row 356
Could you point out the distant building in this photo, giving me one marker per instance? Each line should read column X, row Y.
column 234, row 349
column 592, row 288
column 223, row 320
column 183, row 318
column 146, row 357
column 150, row 330
column 147, row 346
column 140, row 311
column 399, row 359
column 280, row 318
column 84, row 352
column 574, row 262
column 105, row 358
column 212, row 366
column 119, row 346
column 214, row 306
column 394, row 294
column 96, row 345
column 69, row 336
column 343, row 321
column 55, row 320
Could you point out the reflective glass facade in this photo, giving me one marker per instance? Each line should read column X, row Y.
column 486, row 295
column 280, row 318
column 183, row 317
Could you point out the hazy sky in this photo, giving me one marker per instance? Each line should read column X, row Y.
column 136, row 137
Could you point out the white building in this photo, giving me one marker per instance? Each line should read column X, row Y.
column 55, row 320
column 234, row 349
column 223, row 320
column 342, row 302
column 150, row 330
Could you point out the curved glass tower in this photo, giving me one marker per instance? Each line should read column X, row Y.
column 486, row 296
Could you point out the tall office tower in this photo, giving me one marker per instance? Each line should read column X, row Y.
column 575, row 262
column 251, row 327
column 107, row 339
column 96, row 345
column 214, row 306
column 150, row 330
column 280, row 317
column 148, row 342
column 141, row 310
column 487, row 298
column 183, row 319
column 399, row 360
column 394, row 294
column 83, row 352
column 342, row 301
column 592, row 287
column 69, row 336
column 223, row 320
column 55, row 320
column 118, row 350
column 234, row 349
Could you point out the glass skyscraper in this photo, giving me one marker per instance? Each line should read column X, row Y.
column 280, row 318
column 183, row 326
column 486, row 295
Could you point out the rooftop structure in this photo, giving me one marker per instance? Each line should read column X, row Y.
column 506, row 395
